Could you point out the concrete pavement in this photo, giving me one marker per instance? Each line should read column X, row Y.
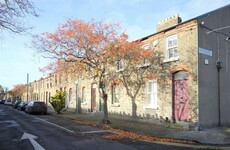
column 211, row 136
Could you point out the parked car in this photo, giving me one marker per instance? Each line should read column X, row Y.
column 22, row 106
column 36, row 107
column 2, row 101
column 15, row 105
column 8, row 102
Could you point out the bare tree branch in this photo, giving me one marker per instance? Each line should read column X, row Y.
column 12, row 12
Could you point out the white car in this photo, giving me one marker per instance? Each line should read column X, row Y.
column 8, row 102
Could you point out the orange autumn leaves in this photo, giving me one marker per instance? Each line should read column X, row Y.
column 18, row 90
column 90, row 43
column 132, row 51
column 118, row 134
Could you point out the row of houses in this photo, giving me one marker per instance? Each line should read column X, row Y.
column 196, row 83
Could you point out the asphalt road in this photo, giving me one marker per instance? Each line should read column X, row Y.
column 21, row 131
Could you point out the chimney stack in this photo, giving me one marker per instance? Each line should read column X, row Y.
column 168, row 22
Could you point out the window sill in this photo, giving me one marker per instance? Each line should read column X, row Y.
column 120, row 70
column 170, row 59
column 144, row 65
column 116, row 105
column 151, row 107
column 84, row 103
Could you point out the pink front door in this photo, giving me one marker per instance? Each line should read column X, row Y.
column 181, row 101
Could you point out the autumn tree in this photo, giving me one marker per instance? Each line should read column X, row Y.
column 18, row 90
column 86, row 47
column 3, row 91
column 11, row 13
column 133, row 67
column 137, row 62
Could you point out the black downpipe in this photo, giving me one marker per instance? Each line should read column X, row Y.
column 218, row 65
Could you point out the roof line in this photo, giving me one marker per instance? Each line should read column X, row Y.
column 172, row 27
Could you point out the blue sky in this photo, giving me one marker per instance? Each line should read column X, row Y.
column 137, row 17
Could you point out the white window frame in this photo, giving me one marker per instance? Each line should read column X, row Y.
column 145, row 62
column 115, row 94
column 173, row 47
column 152, row 103
column 120, row 65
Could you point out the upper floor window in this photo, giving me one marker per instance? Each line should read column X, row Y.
column 144, row 61
column 47, row 82
column 59, row 79
column 50, row 83
column 120, row 65
column 171, row 48
column 151, row 94
column 115, row 94
column 55, row 78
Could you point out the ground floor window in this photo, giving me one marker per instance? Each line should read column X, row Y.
column 151, row 94
column 70, row 94
column 83, row 95
column 115, row 93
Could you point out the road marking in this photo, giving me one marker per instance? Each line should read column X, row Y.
column 55, row 125
column 33, row 142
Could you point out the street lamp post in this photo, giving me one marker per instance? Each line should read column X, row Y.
column 77, row 107
column 27, row 88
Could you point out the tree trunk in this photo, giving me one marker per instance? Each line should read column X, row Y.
column 134, row 108
column 105, row 119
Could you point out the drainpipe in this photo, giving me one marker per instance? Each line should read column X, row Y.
column 77, row 107
column 218, row 66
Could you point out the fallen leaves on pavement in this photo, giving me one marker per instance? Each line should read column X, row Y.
column 120, row 134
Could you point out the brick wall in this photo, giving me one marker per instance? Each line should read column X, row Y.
column 188, row 57
column 188, row 60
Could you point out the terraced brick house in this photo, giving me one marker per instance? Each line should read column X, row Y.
column 194, row 83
